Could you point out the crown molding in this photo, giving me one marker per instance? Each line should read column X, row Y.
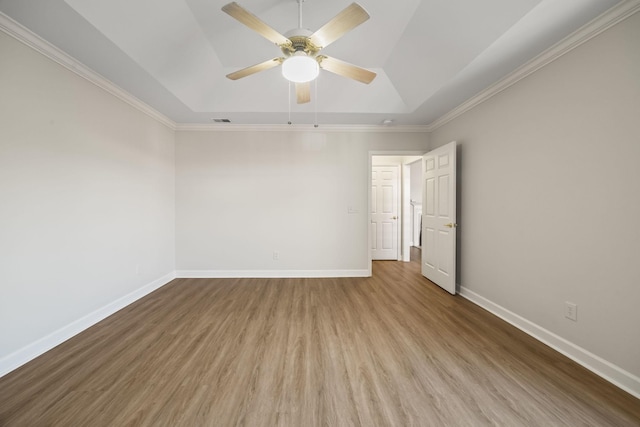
column 27, row 37
column 198, row 127
column 608, row 19
column 605, row 21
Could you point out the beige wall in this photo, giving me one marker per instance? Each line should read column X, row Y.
column 86, row 202
column 550, row 196
column 240, row 196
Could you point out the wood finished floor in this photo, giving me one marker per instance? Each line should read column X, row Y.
column 391, row 350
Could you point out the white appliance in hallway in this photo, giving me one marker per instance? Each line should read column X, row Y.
column 416, row 223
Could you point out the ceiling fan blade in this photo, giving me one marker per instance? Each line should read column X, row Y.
column 303, row 92
column 341, row 24
column 255, row 68
column 345, row 69
column 236, row 11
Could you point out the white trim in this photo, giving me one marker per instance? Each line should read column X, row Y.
column 268, row 274
column 603, row 22
column 607, row 370
column 218, row 127
column 44, row 344
column 26, row 36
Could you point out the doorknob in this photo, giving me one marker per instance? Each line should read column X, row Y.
column 394, row 217
column 451, row 225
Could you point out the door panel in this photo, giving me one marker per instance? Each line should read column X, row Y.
column 429, row 200
column 444, row 260
column 429, row 247
column 439, row 217
column 387, row 235
column 388, row 193
column 443, row 197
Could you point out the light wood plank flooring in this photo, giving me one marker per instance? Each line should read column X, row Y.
column 391, row 350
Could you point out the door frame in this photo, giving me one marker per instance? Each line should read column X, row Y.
column 369, row 177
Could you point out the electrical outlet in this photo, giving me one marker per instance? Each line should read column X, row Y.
column 571, row 311
column 276, row 255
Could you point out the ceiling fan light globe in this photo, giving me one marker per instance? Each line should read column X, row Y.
column 300, row 69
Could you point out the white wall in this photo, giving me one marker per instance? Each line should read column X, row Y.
column 416, row 181
column 240, row 196
column 550, row 197
column 86, row 202
column 415, row 197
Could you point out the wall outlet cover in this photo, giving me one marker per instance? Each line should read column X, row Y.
column 571, row 311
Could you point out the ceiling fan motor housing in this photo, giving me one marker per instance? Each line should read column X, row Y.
column 300, row 42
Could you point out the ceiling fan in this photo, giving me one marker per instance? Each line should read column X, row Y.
column 300, row 61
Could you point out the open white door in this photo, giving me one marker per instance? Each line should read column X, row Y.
column 439, row 217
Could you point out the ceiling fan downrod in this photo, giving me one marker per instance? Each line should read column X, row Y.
column 300, row 13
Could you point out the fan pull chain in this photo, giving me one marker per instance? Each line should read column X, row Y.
column 289, row 99
column 315, row 102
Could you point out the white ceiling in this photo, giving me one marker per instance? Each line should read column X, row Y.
column 430, row 55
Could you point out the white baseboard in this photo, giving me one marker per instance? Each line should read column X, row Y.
column 35, row 349
column 607, row 370
column 275, row 274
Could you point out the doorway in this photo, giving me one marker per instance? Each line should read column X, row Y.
column 400, row 229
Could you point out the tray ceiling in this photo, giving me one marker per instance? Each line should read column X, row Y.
column 430, row 55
